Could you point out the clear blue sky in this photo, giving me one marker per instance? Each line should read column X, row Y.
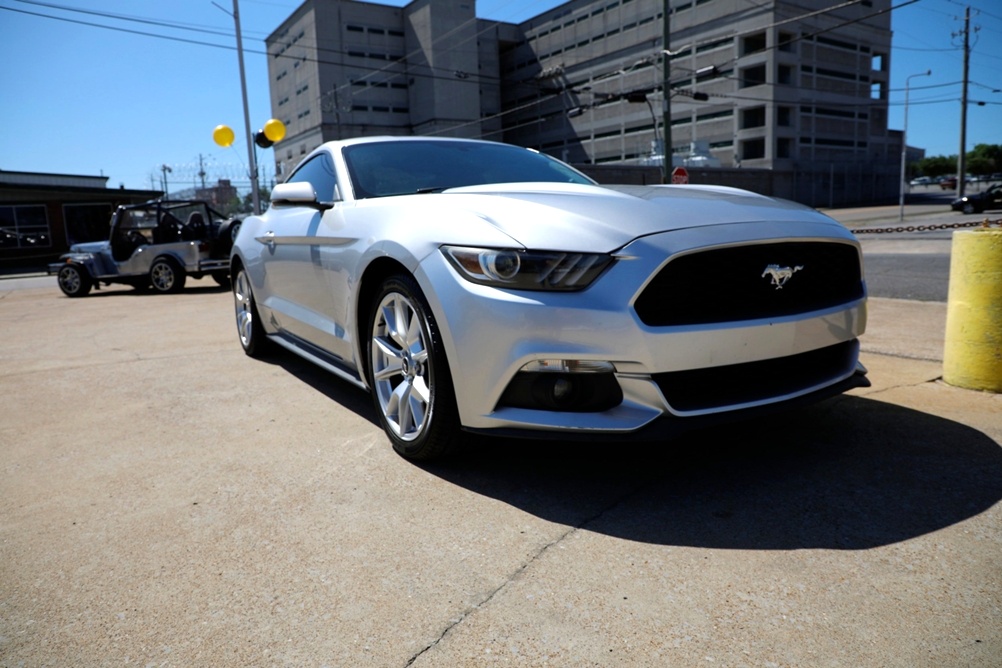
column 79, row 98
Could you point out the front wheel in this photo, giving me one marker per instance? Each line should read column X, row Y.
column 409, row 374
column 969, row 208
column 166, row 276
column 74, row 281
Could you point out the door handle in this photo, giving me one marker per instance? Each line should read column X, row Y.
column 268, row 240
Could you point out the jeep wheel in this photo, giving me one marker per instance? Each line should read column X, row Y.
column 166, row 276
column 74, row 281
column 222, row 278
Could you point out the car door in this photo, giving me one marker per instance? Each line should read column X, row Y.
column 299, row 295
column 994, row 198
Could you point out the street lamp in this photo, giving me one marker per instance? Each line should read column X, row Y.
column 165, row 170
column 904, row 147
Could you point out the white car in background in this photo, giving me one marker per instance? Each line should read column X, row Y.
column 478, row 286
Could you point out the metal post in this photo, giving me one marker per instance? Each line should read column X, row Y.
column 247, row 126
column 904, row 148
column 666, row 152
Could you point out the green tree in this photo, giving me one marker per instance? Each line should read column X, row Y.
column 985, row 159
column 938, row 165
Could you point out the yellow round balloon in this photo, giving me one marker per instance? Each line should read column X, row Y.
column 274, row 129
column 223, row 135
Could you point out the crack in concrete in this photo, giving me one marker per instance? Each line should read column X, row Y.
column 521, row 569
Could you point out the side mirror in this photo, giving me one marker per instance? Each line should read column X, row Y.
column 299, row 193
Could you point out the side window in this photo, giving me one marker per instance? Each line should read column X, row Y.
column 318, row 172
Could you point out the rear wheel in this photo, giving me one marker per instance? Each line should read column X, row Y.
column 409, row 374
column 252, row 335
column 74, row 281
column 166, row 276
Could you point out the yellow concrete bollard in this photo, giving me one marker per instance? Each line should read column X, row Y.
column 972, row 357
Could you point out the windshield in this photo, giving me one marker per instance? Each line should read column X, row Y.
column 381, row 169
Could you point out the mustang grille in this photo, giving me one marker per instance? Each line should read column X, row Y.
column 737, row 384
column 750, row 282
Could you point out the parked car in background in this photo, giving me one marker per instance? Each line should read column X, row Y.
column 153, row 245
column 948, row 183
column 482, row 287
column 920, row 181
column 978, row 202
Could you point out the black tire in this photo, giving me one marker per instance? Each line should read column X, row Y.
column 408, row 372
column 74, row 280
column 253, row 338
column 167, row 276
column 225, row 236
column 222, row 278
column 969, row 208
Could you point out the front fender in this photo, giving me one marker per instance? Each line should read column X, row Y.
column 84, row 260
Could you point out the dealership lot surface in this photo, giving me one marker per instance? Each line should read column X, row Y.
column 166, row 501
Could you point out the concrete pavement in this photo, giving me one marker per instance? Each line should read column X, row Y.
column 166, row 501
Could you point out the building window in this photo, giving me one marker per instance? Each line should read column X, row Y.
column 785, row 75
column 753, row 149
column 786, row 43
column 784, row 117
column 877, row 90
column 784, row 147
column 878, row 62
column 753, row 76
column 87, row 222
column 753, row 43
column 24, row 227
column 753, row 118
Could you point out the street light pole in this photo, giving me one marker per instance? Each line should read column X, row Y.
column 904, row 147
column 164, row 170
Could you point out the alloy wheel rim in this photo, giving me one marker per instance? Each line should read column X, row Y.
column 163, row 277
column 70, row 279
column 400, row 368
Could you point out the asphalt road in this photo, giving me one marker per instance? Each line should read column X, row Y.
column 167, row 501
column 908, row 266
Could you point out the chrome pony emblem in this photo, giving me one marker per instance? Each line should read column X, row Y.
column 780, row 275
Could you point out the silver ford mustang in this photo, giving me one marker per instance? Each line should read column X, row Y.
column 478, row 286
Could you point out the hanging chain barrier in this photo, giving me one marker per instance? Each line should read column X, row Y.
column 926, row 228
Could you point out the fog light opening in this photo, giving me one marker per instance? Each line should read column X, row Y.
column 560, row 392
column 589, row 392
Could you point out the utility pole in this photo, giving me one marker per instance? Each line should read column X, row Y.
column 962, row 156
column 251, row 154
column 666, row 152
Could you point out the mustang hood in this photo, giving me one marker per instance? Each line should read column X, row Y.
column 598, row 218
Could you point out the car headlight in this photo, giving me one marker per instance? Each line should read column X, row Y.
column 526, row 269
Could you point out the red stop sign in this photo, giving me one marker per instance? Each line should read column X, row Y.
column 679, row 176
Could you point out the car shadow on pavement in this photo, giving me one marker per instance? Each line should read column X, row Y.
column 348, row 396
column 850, row 473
